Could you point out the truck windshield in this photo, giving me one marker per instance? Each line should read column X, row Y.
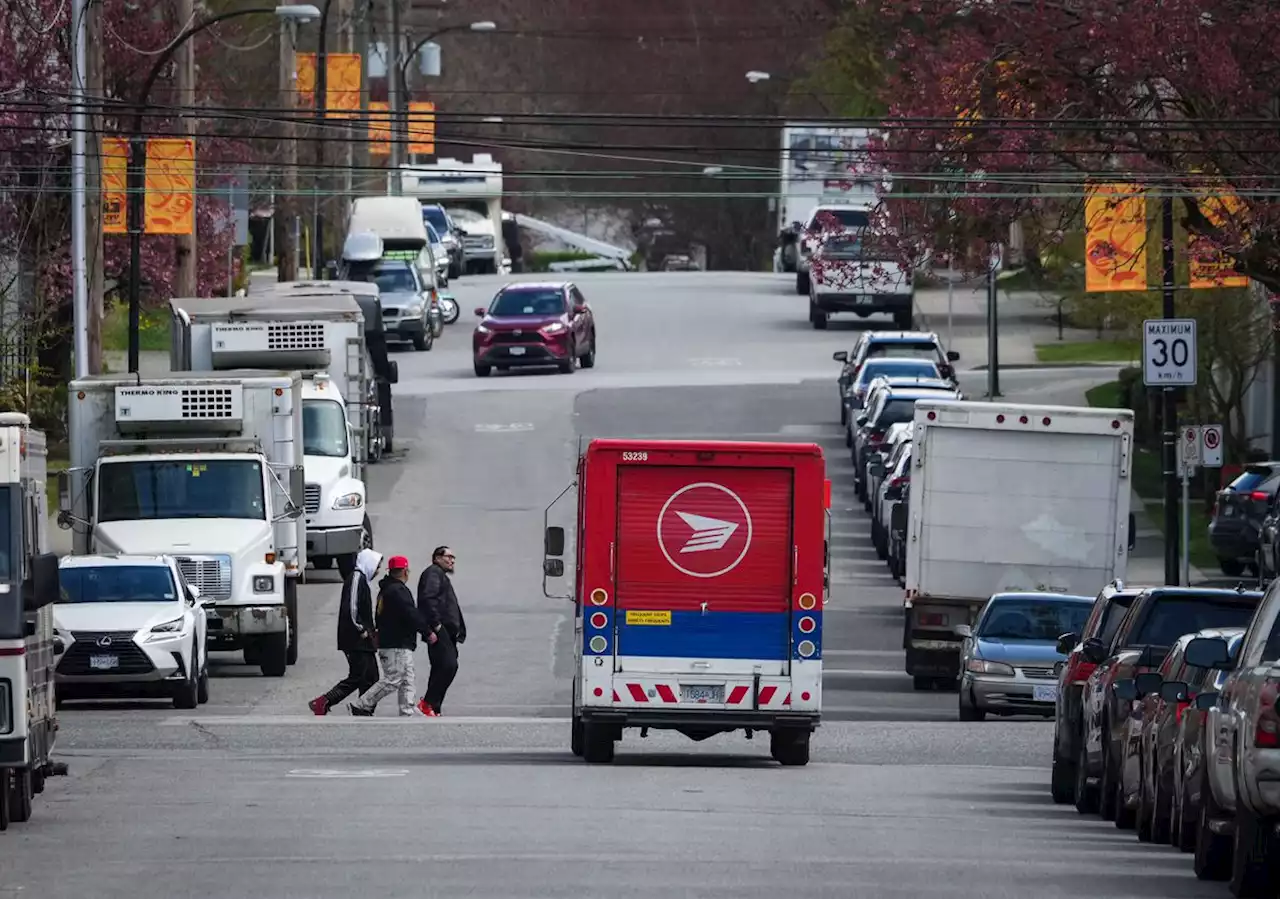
column 1171, row 617
column 117, row 583
column 324, row 428
column 180, row 488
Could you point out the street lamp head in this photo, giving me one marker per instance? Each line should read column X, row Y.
column 755, row 76
column 300, row 13
column 483, row 26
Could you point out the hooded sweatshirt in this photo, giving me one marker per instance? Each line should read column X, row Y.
column 355, row 610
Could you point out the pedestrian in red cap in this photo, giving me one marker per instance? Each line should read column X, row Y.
column 399, row 622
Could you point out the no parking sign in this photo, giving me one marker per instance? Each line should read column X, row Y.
column 1211, row 454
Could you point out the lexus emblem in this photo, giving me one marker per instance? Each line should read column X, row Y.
column 104, row 641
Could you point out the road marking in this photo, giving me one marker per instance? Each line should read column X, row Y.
column 715, row 363
column 505, row 428
column 337, row 720
column 336, row 773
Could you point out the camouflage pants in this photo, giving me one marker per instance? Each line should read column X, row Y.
column 397, row 677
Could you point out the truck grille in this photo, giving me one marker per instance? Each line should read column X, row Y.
column 211, row 575
column 75, row 663
column 1039, row 673
column 313, row 499
column 482, row 242
column 296, row 336
column 206, row 402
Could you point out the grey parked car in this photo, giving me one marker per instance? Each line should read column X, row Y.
column 1009, row 658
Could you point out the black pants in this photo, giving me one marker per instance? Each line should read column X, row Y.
column 362, row 673
column 444, row 668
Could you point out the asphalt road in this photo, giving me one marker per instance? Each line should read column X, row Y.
column 900, row 799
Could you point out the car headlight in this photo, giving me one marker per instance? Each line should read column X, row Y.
column 349, row 501
column 411, row 311
column 553, row 328
column 167, row 630
column 263, row 583
column 6, row 708
column 481, row 329
column 982, row 666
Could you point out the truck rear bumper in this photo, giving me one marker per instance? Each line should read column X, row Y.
column 674, row 720
column 333, row 541
column 863, row 302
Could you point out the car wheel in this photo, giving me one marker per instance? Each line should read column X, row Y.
column 1161, row 813
column 273, row 654
column 1213, row 851
column 589, row 358
column 1125, row 817
column 423, row 341
column 1231, row 567
column 597, row 744
column 1185, row 839
column 1253, row 861
column 820, row 320
column 291, row 616
column 5, row 811
column 576, row 734
column 802, row 283
column 1144, row 816
column 1086, row 794
column 844, row 420
column 566, row 367
column 969, row 711
column 1107, row 784
column 789, row 746
column 482, row 371
column 1062, row 779
column 187, row 694
column 202, row 684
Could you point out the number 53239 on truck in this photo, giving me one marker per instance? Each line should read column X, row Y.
column 700, row 580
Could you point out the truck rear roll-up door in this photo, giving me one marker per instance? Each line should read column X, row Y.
column 704, row 567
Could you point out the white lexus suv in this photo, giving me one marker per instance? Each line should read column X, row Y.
column 127, row 624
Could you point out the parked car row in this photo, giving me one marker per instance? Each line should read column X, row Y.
column 1166, row 723
column 881, row 379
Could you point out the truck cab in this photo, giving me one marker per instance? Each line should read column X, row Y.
column 28, row 589
column 206, row 467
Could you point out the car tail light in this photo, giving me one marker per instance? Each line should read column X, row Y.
column 875, row 437
column 1079, row 671
column 1259, row 496
column 899, row 481
column 933, row 619
column 1266, row 733
column 1177, row 712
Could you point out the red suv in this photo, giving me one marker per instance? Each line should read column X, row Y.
column 532, row 325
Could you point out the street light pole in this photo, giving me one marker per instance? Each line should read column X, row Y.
column 320, row 107
column 135, row 175
column 79, row 247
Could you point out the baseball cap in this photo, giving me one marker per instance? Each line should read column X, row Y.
column 398, row 562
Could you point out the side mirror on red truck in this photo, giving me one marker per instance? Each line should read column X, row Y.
column 553, row 542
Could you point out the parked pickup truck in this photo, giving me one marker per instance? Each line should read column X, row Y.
column 1246, row 804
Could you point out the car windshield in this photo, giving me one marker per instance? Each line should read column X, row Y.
column 847, row 218
column 895, row 411
column 1112, row 615
column 1033, row 619
column 528, row 302
column 395, row 279
column 324, row 428
column 910, row 349
column 899, row 368
column 434, row 216
column 1173, row 616
column 180, row 488
column 117, row 583
column 466, row 216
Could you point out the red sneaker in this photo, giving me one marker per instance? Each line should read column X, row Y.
column 319, row 705
column 426, row 709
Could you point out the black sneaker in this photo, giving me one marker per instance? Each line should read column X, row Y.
column 359, row 713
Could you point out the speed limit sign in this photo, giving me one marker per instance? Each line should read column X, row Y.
column 1169, row 352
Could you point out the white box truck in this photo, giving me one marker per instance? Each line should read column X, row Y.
column 322, row 336
column 206, row 467
column 1008, row 498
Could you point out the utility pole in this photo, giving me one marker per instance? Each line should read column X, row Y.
column 994, row 265
column 286, row 219
column 93, row 182
column 320, row 105
column 398, row 130
column 346, row 24
column 79, row 248
column 187, row 282
column 1169, row 413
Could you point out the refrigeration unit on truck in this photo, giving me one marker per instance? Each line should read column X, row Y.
column 698, row 592
column 321, row 336
column 385, row 370
column 1008, row 498
column 28, row 590
column 206, row 467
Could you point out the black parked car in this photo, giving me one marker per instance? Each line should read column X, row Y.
column 1238, row 513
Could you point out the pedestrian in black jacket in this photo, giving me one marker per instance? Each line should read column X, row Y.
column 439, row 606
column 355, row 633
column 399, row 624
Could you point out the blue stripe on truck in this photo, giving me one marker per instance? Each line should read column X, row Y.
column 713, row 635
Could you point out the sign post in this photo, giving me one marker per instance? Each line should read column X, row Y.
column 1188, row 458
column 1169, row 362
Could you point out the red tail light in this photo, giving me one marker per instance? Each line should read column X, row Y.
column 1266, row 733
column 899, row 481
column 875, row 437
column 1177, row 712
column 933, row 619
column 1078, row 671
column 1259, row 496
column 13, row 650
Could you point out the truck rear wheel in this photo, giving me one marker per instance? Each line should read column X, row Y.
column 789, row 747
column 273, row 654
column 291, row 610
column 20, row 795
column 597, row 744
column 576, row 738
column 4, row 799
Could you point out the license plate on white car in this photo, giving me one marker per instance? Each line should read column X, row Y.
column 104, row 662
column 517, row 351
column 1045, row 694
column 702, row 693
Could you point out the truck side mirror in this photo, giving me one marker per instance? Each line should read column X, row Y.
column 1147, row 683
column 1066, row 643
column 64, row 499
column 46, row 588
column 1174, row 691
column 298, row 490
column 553, row 567
column 553, row 542
column 1207, row 652
column 1133, row 532
column 953, row 356
column 840, row 356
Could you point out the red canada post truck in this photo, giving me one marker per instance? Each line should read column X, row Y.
column 701, row 575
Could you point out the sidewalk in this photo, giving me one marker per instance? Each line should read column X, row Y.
column 1146, row 562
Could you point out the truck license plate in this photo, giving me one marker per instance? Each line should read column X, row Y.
column 702, row 693
column 104, row 663
column 517, row 351
column 1045, row 694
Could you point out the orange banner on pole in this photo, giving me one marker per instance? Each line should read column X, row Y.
column 115, row 185
column 380, row 129
column 1115, row 246
column 1208, row 266
column 342, row 83
column 171, row 186
column 422, row 128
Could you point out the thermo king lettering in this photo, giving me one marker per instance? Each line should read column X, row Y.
column 148, row 391
column 648, row 617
